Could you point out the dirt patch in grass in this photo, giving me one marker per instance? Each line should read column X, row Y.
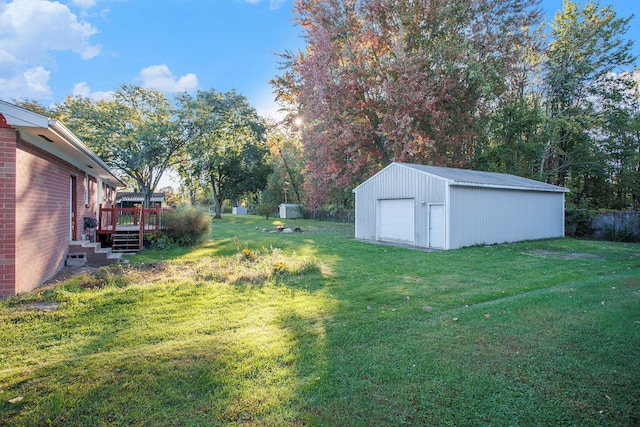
column 562, row 255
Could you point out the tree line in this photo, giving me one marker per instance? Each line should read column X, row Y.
column 215, row 141
column 483, row 84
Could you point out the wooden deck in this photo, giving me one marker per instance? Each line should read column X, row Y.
column 114, row 221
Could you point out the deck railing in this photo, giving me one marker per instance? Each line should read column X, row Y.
column 147, row 219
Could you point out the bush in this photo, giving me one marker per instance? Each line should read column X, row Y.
column 266, row 210
column 187, row 225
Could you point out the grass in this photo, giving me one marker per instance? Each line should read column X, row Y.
column 314, row 328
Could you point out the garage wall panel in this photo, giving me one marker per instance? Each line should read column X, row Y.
column 487, row 216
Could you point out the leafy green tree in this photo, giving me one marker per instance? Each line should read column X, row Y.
column 285, row 183
column 512, row 140
column 586, row 49
column 287, row 162
column 229, row 151
column 621, row 142
column 135, row 132
column 32, row 105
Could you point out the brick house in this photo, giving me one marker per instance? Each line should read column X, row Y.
column 49, row 183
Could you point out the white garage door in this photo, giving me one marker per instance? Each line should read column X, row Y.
column 396, row 220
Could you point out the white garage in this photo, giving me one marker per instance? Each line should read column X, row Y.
column 446, row 208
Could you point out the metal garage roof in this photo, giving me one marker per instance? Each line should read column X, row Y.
column 472, row 178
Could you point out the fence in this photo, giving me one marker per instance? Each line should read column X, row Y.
column 339, row 215
column 622, row 226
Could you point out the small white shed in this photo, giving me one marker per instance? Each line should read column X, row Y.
column 290, row 210
column 446, row 208
column 239, row 210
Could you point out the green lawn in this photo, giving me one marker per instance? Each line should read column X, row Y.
column 314, row 328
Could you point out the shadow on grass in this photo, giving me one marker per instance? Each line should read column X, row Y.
column 485, row 335
column 181, row 350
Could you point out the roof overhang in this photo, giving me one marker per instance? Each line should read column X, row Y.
column 510, row 187
column 53, row 137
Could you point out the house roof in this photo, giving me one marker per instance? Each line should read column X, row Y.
column 472, row 178
column 138, row 197
column 53, row 137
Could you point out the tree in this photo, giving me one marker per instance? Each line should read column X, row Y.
column 285, row 183
column 229, row 151
column 287, row 162
column 586, row 49
column 621, row 142
column 512, row 140
column 397, row 80
column 135, row 132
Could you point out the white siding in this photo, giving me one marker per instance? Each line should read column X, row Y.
column 479, row 208
column 486, row 216
column 397, row 182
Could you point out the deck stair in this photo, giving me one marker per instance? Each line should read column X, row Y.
column 126, row 241
column 95, row 254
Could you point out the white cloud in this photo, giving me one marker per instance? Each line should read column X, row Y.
column 84, row 4
column 159, row 77
column 33, row 28
column 82, row 89
column 273, row 4
column 30, row 31
column 32, row 83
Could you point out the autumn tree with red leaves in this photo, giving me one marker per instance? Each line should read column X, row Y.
column 397, row 80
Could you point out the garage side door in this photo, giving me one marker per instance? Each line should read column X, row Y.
column 436, row 226
column 396, row 220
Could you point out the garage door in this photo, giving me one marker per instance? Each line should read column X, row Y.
column 396, row 220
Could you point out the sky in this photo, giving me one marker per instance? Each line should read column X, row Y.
column 51, row 49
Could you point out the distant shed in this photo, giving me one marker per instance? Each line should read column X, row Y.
column 446, row 208
column 239, row 210
column 289, row 211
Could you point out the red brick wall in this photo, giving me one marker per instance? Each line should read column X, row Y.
column 35, row 203
column 7, row 211
column 42, row 215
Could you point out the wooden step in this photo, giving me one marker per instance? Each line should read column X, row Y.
column 126, row 242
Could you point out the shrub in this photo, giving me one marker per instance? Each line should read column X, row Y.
column 158, row 240
column 187, row 225
column 266, row 210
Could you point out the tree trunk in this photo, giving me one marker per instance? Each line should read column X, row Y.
column 218, row 208
column 217, row 195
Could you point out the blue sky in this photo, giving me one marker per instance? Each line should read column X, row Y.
column 51, row 49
